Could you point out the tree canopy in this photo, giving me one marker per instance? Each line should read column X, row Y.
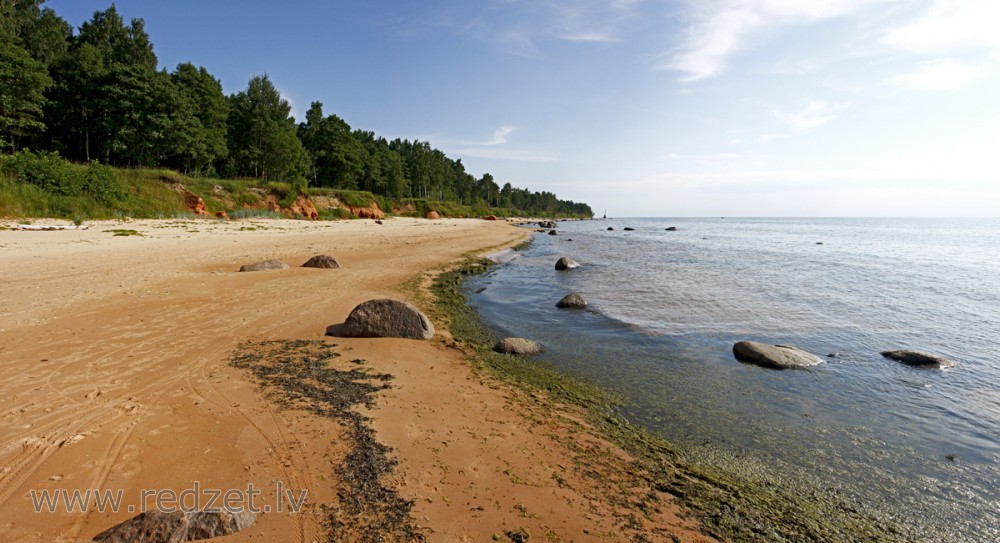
column 98, row 94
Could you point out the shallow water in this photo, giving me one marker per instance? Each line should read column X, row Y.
column 666, row 308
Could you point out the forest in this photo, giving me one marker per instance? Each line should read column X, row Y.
column 96, row 96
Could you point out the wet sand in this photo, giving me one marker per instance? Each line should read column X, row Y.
column 114, row 352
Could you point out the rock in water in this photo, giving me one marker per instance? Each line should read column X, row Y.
column 671, row 229
column 566, row 263
column 322, row 261
column 572, row 301
column 774, row 356
column 177, row 526
column 265, row 265
column 387, row 318
column 629, row 229
column 517, row 345
column 552, row 232
column 610, row 228
column 916, row 358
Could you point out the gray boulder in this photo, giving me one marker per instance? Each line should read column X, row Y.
column 322, row 261
column 517, row 345
column 572, row 301
column 177, row 526
column 265, row 265
column 387, row 318
column 774, row 356
column 917, row 358
column 566, row 263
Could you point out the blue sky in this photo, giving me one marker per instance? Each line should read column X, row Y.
column 641, row 107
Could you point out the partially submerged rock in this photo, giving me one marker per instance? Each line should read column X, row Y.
column 387, row 318
column 671, row 229
column 322, row 261
column 774, row 356
column 517, row 345
column 610, row 228
column 628, row 229
column 566, row 263
column 265, row 265
column 572, row 301
column 177, row 526
column 919, row 359
column 552, row 232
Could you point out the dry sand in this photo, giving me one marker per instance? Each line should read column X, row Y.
column 114, row 362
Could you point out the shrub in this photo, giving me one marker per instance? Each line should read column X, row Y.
column 103, row 184
column 279, row 189
column 334, row 214
column 46, row 170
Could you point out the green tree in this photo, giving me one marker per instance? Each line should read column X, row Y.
column 338, row 158
column 201, row 93
column 262, row 135
column 104, row 51
column 23, row 81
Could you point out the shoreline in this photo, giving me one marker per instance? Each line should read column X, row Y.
column 734, row 494
column 117, row 348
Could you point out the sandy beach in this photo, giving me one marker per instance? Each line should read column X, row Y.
column 115, row 358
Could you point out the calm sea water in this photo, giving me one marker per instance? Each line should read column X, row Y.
column 666, row 308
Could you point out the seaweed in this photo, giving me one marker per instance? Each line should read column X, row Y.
column 297, row 374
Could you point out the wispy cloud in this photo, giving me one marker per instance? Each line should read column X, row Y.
column 596, row 37
column 497, row 147
column 951, row 25
column 814, row 113
column 719, row 31
column 964, row 30
column 500, row 135
column 939, row 74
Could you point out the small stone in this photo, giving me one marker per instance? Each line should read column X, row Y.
column 265, row 265
column 572, row 301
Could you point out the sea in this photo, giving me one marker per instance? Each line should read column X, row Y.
column 666, row 306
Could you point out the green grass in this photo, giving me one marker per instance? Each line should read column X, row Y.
column 124, row 232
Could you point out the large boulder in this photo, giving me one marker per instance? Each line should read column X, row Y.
column 265, row 265
column 517, row 345
column 177, row 526
column 553, row 232
column 917, row 358
column 387, row 318
column 432, row 215
column 566, row 263
column 322, row 261
column 572, row 301
column 774, row 356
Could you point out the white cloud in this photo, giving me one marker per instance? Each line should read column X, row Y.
column 595, row 37
column 951, row 25
column 940, row 74
column 500, row 135
column 814, row 113
column 718, row 32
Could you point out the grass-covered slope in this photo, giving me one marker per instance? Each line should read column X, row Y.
column 46, row 185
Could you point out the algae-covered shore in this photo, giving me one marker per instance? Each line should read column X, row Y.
column 735, row 497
